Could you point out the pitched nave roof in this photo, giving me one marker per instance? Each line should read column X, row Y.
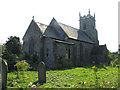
column 71, row 32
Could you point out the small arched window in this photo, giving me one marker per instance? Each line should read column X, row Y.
column 67, row 55
column 84, row 26
column 47, row 52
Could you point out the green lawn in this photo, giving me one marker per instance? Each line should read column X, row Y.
column 70, row 78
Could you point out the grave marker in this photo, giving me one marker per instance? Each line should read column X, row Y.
column 4, row 74
column 0, row 73
column 42, row 73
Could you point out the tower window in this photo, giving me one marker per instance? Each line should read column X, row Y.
column 84, row 26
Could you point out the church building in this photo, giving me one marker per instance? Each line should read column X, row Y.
column 58, row 44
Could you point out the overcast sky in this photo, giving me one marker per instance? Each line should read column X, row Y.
column 16, row 15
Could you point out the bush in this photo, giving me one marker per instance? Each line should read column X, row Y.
column 22, row 66
column 63, row 63
column 33, row 61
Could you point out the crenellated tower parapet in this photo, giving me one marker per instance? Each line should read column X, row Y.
column 87, row 23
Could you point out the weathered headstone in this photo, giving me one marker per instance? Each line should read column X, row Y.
column 0, row 73
column 4, row 74
column 42, row 73
column 0, row 67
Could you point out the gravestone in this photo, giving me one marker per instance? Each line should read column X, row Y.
column 0, row 73
column 0, row 66
column 42, row 73
column 4, row 74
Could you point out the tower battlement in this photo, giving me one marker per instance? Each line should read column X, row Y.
column 87, row 23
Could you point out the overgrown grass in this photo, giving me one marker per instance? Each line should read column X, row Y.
column 70, row 78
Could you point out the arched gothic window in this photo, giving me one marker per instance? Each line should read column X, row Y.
column 81, row 51
column 86, row 52
column 67, row 55
column 31, row 46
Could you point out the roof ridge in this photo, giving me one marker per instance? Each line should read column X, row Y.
column 41, row 26
column 42, row 23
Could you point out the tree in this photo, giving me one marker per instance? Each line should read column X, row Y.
column 13, row 45
column 12, row 51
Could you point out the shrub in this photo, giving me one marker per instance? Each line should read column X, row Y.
column 65, row 63
column 21, row 68
column 33, row 61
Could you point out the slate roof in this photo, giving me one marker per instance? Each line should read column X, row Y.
column 41, row 26
column 71, row 32
column 75, row 33
column 84, row 37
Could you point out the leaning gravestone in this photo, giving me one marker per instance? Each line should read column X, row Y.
column 0, row 73
column 42, row 73
column 0, row 66
column 4, row 74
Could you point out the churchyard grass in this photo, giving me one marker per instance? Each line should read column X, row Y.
column 79, row 77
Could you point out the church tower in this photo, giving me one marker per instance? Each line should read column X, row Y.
column 88, row 25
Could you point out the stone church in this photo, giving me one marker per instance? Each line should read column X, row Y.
column 57, row 43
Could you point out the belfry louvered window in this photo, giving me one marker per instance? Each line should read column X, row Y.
column 84, row 26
